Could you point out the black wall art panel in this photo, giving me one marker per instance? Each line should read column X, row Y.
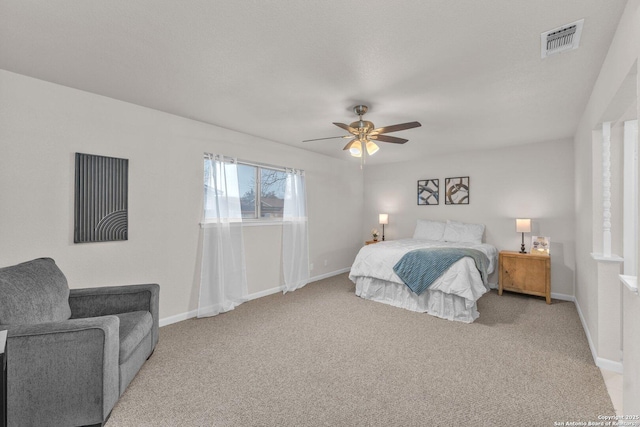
column 101, row 207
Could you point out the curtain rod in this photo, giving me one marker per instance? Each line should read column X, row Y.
column 258, row 164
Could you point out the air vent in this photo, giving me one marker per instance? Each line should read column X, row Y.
column 561, row 39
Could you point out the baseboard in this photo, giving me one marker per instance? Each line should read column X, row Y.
column 609, row 365
column 563, row 297
column 264, row 293
column 178, row 318
column 327, row 275
column 600, row 362
column 277, row 289
column 193, row 313
column 592, row 347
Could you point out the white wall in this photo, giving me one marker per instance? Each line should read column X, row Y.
column 527, row 181
column 622, row 56
column 42, row 125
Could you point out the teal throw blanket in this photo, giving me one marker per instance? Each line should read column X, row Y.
column 419, row 268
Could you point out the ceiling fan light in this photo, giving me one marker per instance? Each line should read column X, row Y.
column 356, row 149
column 363, row 134
column 372, row 148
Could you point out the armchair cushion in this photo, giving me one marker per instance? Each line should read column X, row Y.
column 107, row 300
column 33, row 292
column 133, row 328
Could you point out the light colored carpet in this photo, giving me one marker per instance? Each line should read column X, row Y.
column 321, row 356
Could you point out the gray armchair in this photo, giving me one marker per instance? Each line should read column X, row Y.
column 71, row 353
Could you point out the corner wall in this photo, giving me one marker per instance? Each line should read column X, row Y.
column 623, row 53
column 42, row 125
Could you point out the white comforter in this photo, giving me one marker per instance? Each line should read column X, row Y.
column 461, row 279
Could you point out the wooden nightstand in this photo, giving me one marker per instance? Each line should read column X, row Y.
column 371, row 242
column 525, row 273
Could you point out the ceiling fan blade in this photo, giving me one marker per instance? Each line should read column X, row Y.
column 347, row 128
column 387, row 138
column 331, row 137
column 396, row 128
column 350, row 143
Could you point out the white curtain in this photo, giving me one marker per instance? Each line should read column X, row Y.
column 295, row 240
column 223, row 282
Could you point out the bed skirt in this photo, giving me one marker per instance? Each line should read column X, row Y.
column 434, row 302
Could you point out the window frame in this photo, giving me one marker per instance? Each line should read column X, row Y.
column 258, row 218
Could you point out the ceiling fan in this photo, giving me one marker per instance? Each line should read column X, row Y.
column 364, row 133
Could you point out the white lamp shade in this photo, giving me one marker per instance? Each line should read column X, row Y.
column 383, row 219
column 372, row 148
column 356, row 149
column 523, row 225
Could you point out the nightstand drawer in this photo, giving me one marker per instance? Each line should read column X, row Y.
column 526, row 276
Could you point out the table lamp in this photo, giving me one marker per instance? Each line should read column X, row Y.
column 383, row 219
column 523, row 226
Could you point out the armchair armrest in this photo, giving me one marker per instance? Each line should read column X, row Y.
column 59, row 369
column 94, row 302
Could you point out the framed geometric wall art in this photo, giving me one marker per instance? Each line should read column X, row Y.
column 101, row 199
column 429, row 192
column 456, row 190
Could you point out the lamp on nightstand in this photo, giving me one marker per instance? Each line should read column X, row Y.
column 383, row 219
column 523, row 226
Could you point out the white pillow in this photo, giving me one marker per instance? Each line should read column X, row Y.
column 429, row 230
column 460, row 232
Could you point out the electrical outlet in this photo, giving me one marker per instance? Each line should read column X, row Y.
column 311, row 266
column 326, row 262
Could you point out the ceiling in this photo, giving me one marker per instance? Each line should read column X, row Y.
column 469, row 71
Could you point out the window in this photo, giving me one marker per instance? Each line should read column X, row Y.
column 261, row 191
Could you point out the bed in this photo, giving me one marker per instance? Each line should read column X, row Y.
column 453, row 295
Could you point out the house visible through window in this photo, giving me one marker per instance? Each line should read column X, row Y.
column 261, row 191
